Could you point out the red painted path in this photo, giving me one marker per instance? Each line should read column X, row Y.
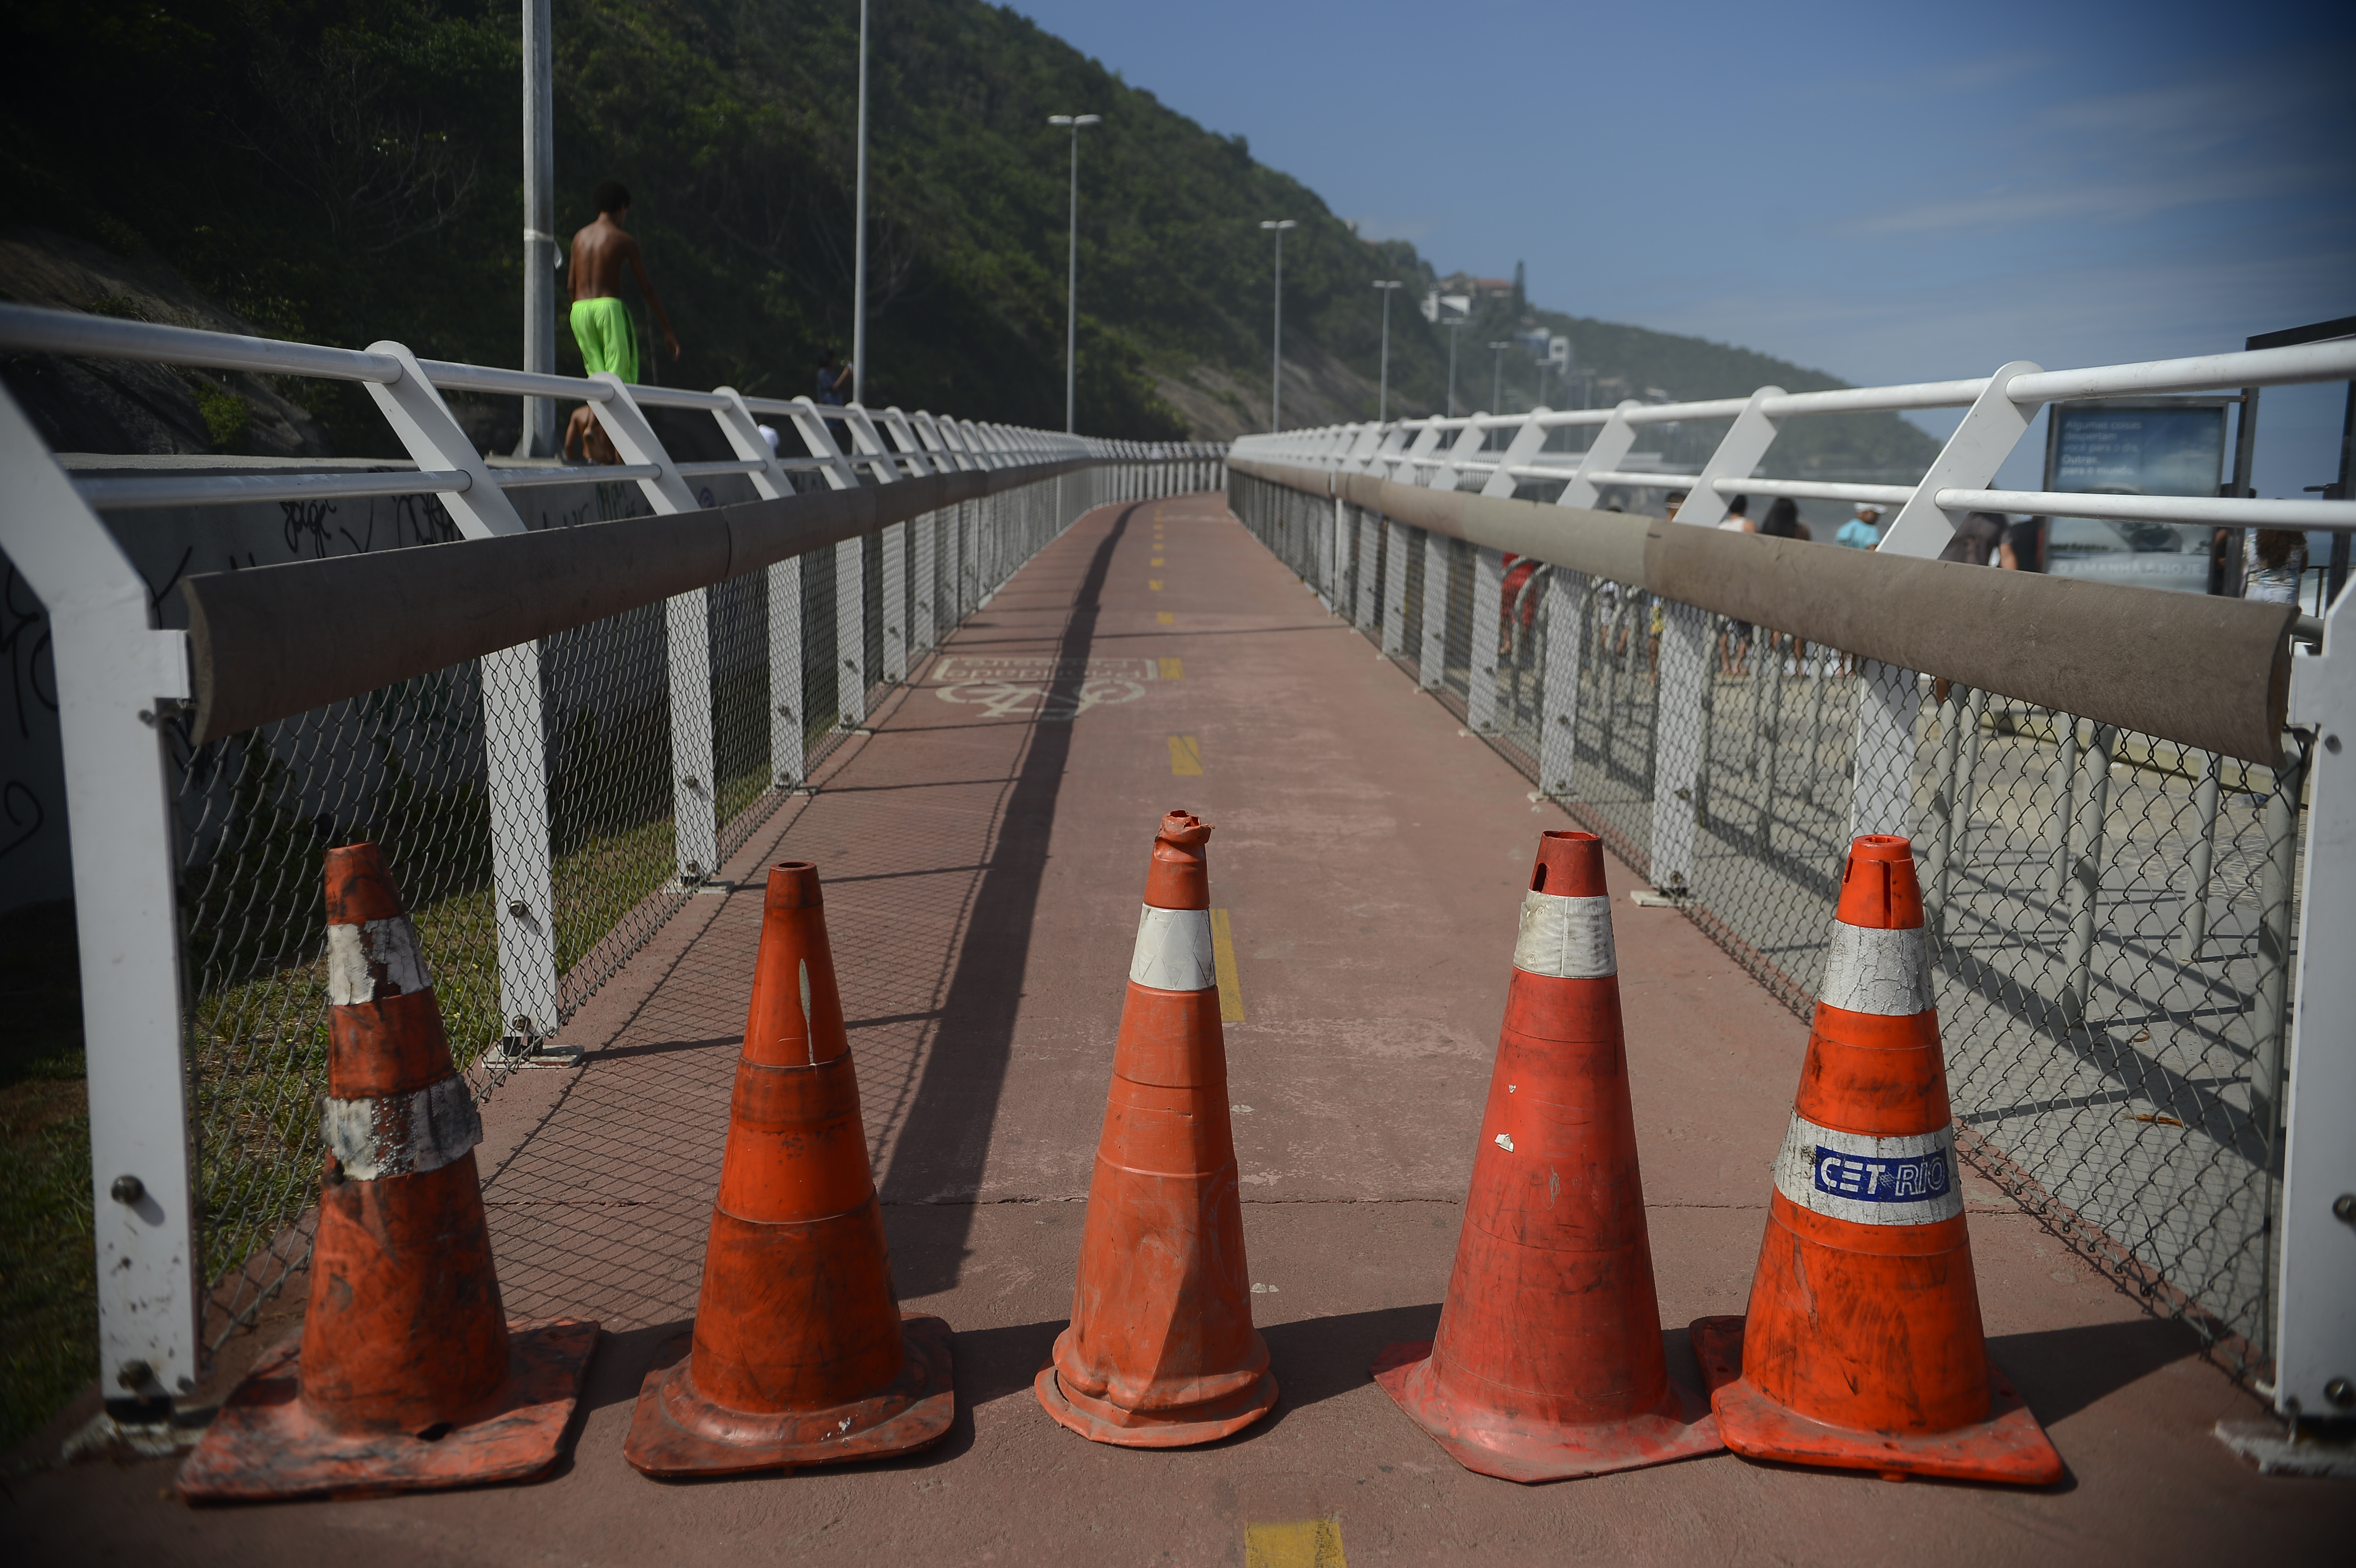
column 984, row 852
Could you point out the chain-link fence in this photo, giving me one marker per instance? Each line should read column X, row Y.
column 2111, row 914
column 417, row 766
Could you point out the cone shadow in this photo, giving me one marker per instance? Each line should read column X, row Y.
column 938, row 1155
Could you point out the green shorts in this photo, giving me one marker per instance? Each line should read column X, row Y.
column 608, row 338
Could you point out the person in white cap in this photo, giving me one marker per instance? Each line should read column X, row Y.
column 1864, row 530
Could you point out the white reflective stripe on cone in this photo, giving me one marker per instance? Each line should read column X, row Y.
column 1887, row 973
column 1568, row 938
column 377, row 959
column 1867, row 1180
column 1173, row 950
column 402, row 1135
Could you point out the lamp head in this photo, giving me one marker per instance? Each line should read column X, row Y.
column 1389, row 283
column 1279, row 223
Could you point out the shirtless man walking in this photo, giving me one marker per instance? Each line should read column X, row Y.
column 601, row 322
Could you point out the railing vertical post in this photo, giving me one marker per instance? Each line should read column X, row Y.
column 2086, row 878
column 2268, row 1019
column 1676, row 745
column 515, row 766
column 895, row 602
column 515, row 726
column 2314, row 1338
column 1567, row 594
column 850, row 632
column 1939, row 834
column 117, row 678
column 688, row 624
column 787, row 722
column 1881, row 795
column 1395, row 590
column 1481, row 651
column 2194, row 932
column 1370, row 552
column 1431, row 662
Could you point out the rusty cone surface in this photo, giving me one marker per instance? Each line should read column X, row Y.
column 1863, row 1348
column 1160, row 1351
column 406, row 1375
column 1548, row 1362
column 799, row 1355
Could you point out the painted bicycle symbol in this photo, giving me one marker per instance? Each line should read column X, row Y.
column 1051, row 691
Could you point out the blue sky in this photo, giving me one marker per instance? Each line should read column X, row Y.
column 1888, row 192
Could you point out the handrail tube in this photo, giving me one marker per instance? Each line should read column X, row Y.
column 271, row 642
column 720, row 465
column 1815, row 490
column 2332, row 361
column 2226, row 511
column 453, row 376
column 574, row 474
column 1878, row 399
column 1654, row 480
column 31, row 329
column 200, row 489
column 675, row 398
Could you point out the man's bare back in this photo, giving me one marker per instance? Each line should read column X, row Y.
column 600, row 251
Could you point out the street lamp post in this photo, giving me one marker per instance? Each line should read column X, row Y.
column 1276, row 374
column 1497, row 376
column 1383, row 396
column 859, row 243
column 540, row 257
column 1454, row 329
column 1072, row 277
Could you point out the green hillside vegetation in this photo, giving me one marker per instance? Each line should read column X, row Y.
column 351, row 171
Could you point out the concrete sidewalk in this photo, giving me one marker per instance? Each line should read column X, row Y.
column 983, row 853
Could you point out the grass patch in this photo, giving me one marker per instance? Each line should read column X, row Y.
column 48, row 1284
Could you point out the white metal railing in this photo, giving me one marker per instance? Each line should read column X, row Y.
column 2314, row 1338
column 120, row 675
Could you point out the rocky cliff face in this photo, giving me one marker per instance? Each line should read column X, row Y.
column 122, row 406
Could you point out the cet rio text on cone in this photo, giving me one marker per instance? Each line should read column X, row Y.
column 1160, row 1351
column 1863, row 1348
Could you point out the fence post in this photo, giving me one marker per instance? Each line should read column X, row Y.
column 1370, row 586
column 118, row 678
column 1431, row 664
column 2194, row 931
column 1395, row 588
column 2086, row 878
column 695, row 790
column 1677, row 748
column 2314, row 1338
column 1881, row 795
column 1481, row 649
column 1568, row 595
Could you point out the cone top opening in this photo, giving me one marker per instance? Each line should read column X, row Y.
column 1179, row 876
column 360, row 886
column 1879, row 889
column 1570, row 865
column 793, row 884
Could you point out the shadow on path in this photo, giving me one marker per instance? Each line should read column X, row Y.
column 938, row 1155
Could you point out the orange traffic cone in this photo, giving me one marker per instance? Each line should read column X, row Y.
column 1160, row 1351
column 406, row 1375
column 1863, row 1348
column 1548, row 1362
column 799, row 1354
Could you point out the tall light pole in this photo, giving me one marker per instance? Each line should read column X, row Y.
column 1072, row 278
column 1383, row 397
column 1276, row 374
column 540, row 255
column 1497, row 376
column 1454, row 329
column 859, row 243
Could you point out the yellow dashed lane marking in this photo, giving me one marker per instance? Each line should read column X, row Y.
column 1173, row 670
column 1156, row 561
column 1166, row 618
column 1154, row 584
column 1186, row 756
column 1231, row 1010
